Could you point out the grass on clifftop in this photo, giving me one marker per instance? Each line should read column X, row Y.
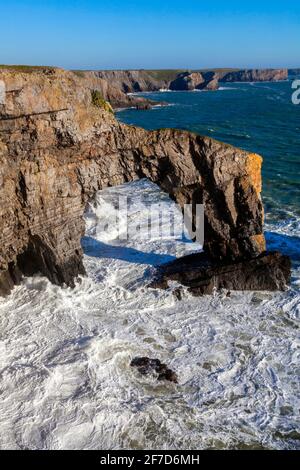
column 171, row 74
column 167, row 75
column 26, row 68
column 100, row 102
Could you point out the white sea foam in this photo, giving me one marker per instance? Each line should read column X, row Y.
column 65, row 354
column 223, row 88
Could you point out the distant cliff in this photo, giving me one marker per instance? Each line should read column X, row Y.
column 256, row 75
column 119, row 86
column 132, row 81
column 137, row 81
column 115, row 88
column 194, row 81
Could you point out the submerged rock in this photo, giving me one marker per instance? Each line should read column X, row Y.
column 143, row 106
column 270, row 271
column 147, row 366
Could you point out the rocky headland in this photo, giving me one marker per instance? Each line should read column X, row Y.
column 60, row 142
column 119, row 87
column 137, row 81
column 255, row 75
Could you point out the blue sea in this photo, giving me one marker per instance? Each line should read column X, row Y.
column 258, row 117
column 66, row 380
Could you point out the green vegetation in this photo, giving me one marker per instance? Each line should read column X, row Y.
column 217, row 70
column 171, row 74
column 79, row 73
column 167, row 75
column 26, row 68
column 100, row 102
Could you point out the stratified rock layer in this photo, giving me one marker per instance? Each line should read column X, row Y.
column 121, row 82
column 57, row 149
column 256, row 75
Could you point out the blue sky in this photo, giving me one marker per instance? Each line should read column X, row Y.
column 150, row 34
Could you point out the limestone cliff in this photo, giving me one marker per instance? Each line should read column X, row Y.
column 256, row 75
column 57, row 149
column 194, row 81
column 113, row 90
column 134, row 81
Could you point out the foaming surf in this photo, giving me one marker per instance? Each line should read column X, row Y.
column 65, row 377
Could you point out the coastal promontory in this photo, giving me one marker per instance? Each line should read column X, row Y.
column 60, row 143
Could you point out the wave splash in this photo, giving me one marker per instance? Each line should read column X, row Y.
column 65, row 354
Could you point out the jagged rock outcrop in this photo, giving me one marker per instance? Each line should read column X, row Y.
column 194, row 81
column 267, row 272
column 155, row 367
column 57, row 149
column 112, row 91
column 131, row 81
column 211, row 85
column 187, row 81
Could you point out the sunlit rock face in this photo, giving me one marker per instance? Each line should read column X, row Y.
column 57, row 149
column 255, row 75
column 116, row 84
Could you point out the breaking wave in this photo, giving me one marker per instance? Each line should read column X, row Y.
column 65, row 354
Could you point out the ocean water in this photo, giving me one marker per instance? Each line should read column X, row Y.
column 259, row 117
column 65, row 354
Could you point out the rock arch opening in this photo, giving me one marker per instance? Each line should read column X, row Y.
column 57, row 149
column 135, row 223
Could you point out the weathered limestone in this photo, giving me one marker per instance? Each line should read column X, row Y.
column 57, row 149
column 256, row 75
column 131, row 81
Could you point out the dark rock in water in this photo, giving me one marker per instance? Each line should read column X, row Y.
column 270, row 271
column 146, row 366
column 143, row 106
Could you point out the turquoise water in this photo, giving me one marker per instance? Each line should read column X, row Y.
column 258, row 117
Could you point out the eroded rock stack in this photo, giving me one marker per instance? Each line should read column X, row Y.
column 57, row 149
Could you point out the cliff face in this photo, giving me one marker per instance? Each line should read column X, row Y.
column 134, row 81
column 256, row 75
column 194, row 81
column 187, row 81
column 57, row 149
column 111, row 90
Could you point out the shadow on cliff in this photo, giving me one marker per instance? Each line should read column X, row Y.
column 97, row 249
